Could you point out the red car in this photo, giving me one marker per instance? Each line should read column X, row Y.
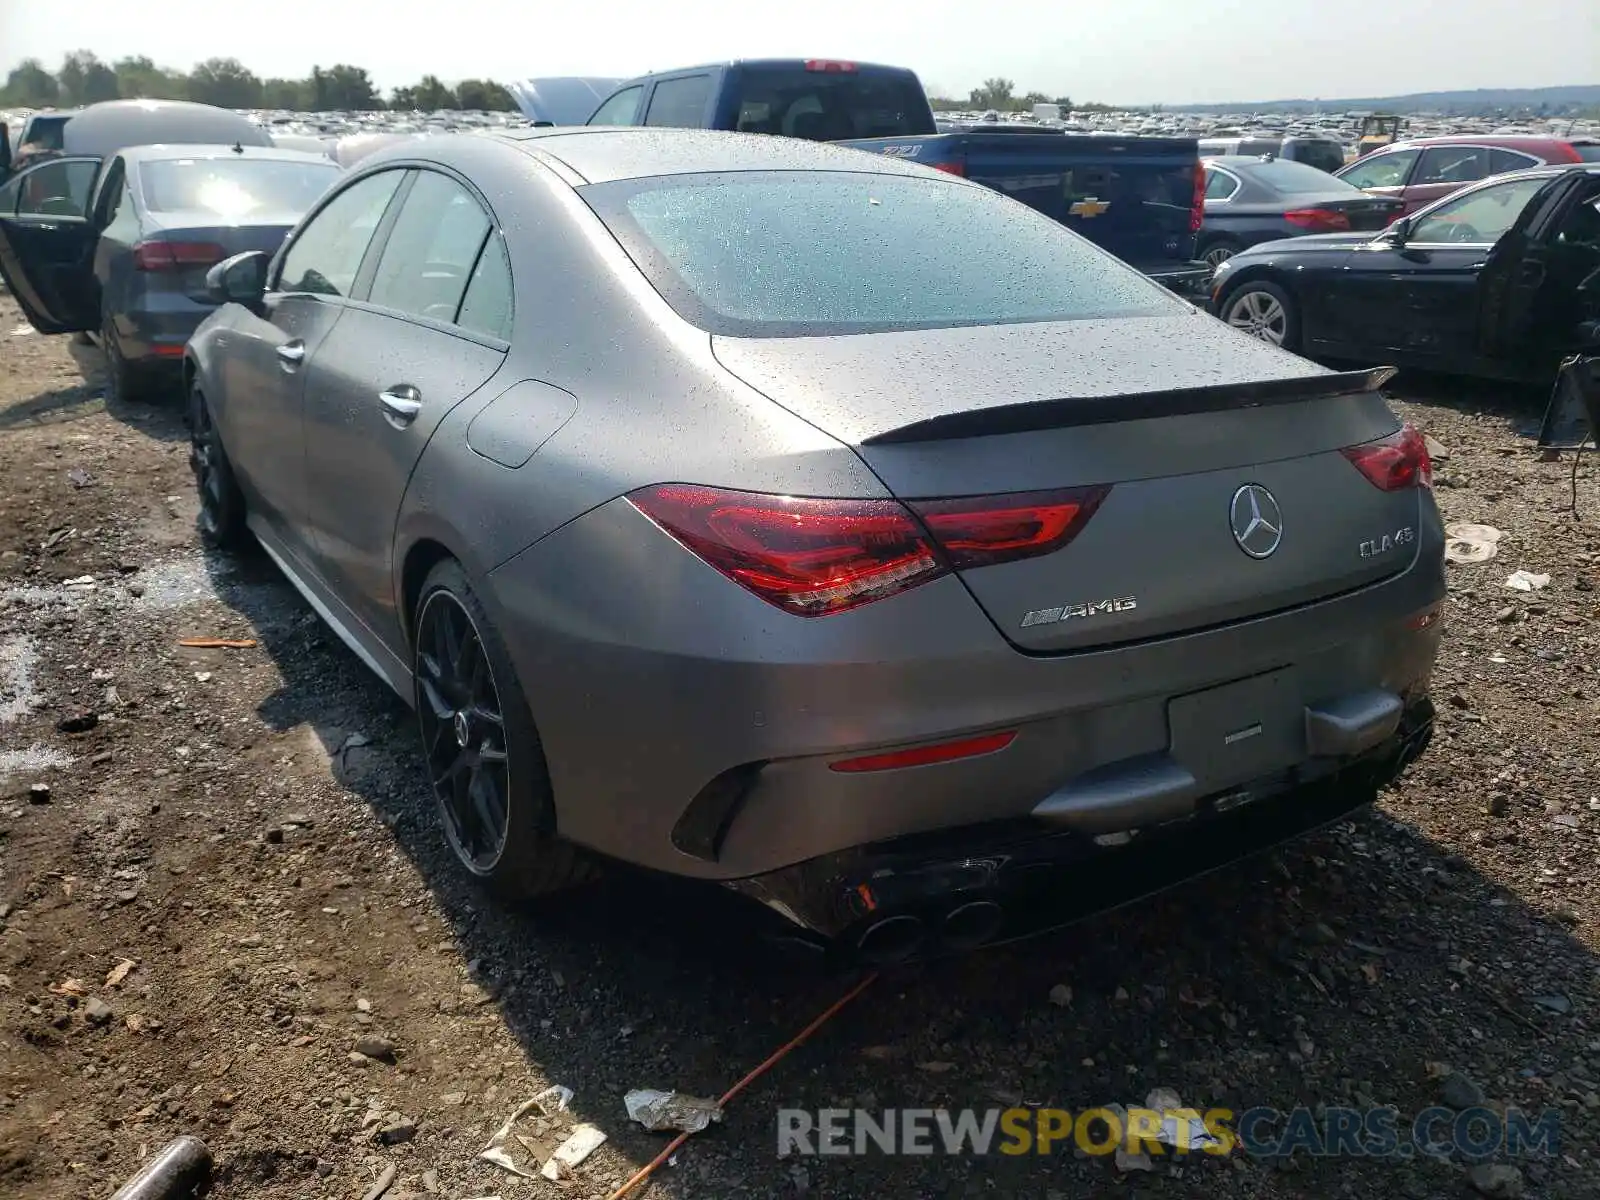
column 1420, row 170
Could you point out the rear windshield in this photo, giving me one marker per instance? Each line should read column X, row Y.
column 829, row 106
column 1315, row 152
column 47, row 133
column 1293, row 178
column 786, row 254
column 233, row 187
column 1587, row 151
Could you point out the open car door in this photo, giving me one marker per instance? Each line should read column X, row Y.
column 47, row 244
column 1526, row 316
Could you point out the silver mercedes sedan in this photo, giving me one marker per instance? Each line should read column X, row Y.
column 818, row 523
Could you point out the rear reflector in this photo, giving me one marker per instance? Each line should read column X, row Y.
column 983, row 530
column 1325, row 220
column 176, row 256
column 922, row 756
column 815, row 557
column 1396, row 462
column 831, row 65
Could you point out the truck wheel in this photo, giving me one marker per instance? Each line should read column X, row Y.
column 483, row 754
column 1263, row 310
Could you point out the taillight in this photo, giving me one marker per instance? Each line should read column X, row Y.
column 816, row 557
column 176, row 256
column 953, row 168
column 830, row 65
column 981, row 531
column 808, row 557
column 1325, row 220
column 1197, row 199
column 1396, row 462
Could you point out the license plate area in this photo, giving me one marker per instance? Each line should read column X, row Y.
column 1238, row 731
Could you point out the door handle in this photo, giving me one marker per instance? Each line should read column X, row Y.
column 292, row 352
column 401, row 404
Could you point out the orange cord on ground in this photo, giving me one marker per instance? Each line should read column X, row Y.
column 649, row 1168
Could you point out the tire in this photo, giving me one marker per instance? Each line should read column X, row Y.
column 1218, row 250
column 125, row 383
column 1263, row 310
column 478, row 738
column 222, row 512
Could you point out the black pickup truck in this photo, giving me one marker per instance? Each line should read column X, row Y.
column 1142, row 199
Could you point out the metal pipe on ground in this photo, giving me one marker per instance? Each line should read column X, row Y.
column 179, row 1171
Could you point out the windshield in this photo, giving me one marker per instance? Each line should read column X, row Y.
column 786, row 254
column 233, row 187
column 830, row 106
column 1315, row 152
column 1293, row 178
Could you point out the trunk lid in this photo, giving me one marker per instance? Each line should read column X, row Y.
column 202, row 229
column 1195, row 431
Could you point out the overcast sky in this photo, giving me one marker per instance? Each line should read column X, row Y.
column 1116, row 51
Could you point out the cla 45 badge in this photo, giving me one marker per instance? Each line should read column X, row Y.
column 1384, row 543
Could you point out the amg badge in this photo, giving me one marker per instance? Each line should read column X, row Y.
column 1384, row 543
column 1071, row 612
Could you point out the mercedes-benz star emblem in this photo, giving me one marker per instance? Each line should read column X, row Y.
column 1256, row 520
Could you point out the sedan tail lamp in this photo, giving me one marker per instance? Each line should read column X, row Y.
column 816, row 557
column 808, row 557
column 951, row 168
column 980, row 531
column 1319, row 220
column 1396, row 462
column 176, row 256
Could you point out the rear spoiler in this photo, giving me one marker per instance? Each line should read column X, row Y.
column 1102, row 410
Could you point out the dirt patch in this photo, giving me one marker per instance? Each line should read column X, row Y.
column 238, row 866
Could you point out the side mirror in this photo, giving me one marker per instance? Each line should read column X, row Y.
column 241, row 279
column 1399, row 232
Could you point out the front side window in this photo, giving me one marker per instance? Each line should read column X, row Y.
column 789, row 254
column 326, row 256
column 60, row 188
column 431, row 250
column 1381, row 170
column 679, row 103
column 1481, row 217
column 618, row 110
column 1452, row 164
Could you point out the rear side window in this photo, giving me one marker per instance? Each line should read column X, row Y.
column 431, row 250
column 1381, row 170
column 679, row 103
column 326, row 255
column 1452, row 164
column 486, row 308
column 234, row 187
column 829, row 106
column 1501, row 161
column 780, row 254
column 1219, row 186
column 619, row 110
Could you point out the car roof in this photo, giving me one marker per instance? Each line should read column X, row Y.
column 1527, row 141
column 175, row 150
column 764, row 62
column 601, row 154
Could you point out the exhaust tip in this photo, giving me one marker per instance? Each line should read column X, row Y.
column 892, row 940
column 970, row 925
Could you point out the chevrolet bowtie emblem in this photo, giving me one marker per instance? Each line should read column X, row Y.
column 1089, row 206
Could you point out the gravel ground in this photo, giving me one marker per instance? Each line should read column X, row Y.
column 235, row 878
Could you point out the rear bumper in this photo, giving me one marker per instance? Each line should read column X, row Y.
column 154, row 331
column 691, row 728
column 948, row 892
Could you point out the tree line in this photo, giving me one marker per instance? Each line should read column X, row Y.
column 83, row 79
column 1001, row 95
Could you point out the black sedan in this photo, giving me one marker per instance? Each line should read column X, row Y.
column 1258, row 198
column 1494, row 280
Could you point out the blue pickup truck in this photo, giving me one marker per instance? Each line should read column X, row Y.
column 1142, row 199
